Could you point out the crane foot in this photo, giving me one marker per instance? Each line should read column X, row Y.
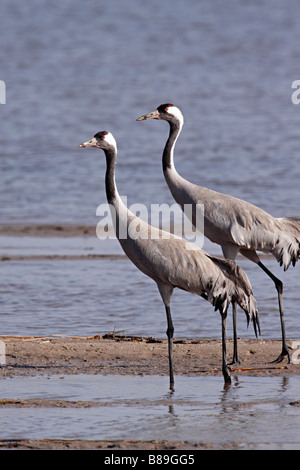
column 284, row 353
column 226, row 375
column 234, row 362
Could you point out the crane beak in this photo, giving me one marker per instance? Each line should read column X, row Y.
column 89, row 143
column 153, row 115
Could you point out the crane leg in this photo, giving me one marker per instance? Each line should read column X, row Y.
column 230, row 252
column 225, row 368
column 235, row 359
column 170, row 333
column 279, row 288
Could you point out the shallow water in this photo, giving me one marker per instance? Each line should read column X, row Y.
column 256, row 412
column 40, row 296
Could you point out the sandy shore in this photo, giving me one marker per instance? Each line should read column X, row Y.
column 112, row 354
column 47, row 230
column 26, row 356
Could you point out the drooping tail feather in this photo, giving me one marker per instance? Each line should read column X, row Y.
column 242, row 293
column 295, row 220
column 289, row 250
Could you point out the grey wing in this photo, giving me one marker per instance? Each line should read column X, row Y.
column 194, row 271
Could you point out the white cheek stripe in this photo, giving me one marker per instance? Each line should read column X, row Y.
column 175, row 112
column 109, row 138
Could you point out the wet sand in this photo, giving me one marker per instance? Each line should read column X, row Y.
column 112, row 445
column 112, row 354
column 47, row 230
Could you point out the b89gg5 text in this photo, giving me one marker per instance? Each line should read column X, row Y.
column 166, row 459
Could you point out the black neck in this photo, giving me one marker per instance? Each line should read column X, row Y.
column 110, row 184
column 169, row 147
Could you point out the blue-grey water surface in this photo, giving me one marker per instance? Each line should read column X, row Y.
column 72, row 69
column 255, row 413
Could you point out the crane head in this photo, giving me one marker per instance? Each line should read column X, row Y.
column 101, row 140
column 166, row 112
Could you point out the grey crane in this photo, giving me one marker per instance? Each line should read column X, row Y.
column 234, row 224
column 174, row 262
